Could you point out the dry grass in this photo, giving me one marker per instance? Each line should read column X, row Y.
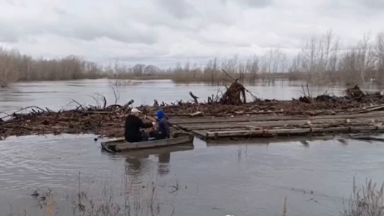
column 285, row 207
column 366, row 201
column 107, row 200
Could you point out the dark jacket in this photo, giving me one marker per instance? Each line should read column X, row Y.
column 164, row 128
column 132, row 128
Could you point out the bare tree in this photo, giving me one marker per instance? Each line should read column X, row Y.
column 138, row 69
column 253, row 67
column 8, row 72
column 358, row 62
column 379, row 54
column 317, row 57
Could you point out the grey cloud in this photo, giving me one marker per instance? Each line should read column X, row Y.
column 73, row 26
column 252, row 3
column 12, row 33
column 60, row 11
column 375, row 4
column 11, row 2
column 343, row 8
column 178, row 8
column 82, row 31
column 89, row 32
column 258, row 3
column 8, row 38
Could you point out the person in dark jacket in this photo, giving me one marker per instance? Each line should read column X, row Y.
column 133, row 124
column 163, row 126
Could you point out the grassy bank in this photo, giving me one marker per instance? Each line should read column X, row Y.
column 319, row 61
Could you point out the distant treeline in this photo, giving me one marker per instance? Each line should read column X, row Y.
column 321, row 60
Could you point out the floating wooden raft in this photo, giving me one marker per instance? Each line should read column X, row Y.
column 275, row 125
column 118, row 145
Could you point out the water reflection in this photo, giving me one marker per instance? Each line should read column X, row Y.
column 134, row 166
column 137, row 162
column 163, row 164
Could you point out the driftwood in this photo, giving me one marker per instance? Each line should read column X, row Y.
column 282, row 124
column 290, row 132
column 367, row 138
column 194, row 97
column 247, row 119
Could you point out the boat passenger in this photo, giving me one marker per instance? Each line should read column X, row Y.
column 163, row 126
column 133, row 124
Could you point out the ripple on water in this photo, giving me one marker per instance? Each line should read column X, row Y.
column 213, row 180
column 49, row 162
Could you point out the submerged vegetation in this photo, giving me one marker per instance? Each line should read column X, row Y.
column 320, row 60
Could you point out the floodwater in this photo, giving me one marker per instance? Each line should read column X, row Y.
column 203, row 179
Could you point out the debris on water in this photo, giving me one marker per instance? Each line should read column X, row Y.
column 108, row 120
column 343, row 141
column 35, row 194
column 305, row 143
column 313, row 199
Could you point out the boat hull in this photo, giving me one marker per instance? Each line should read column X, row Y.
column 119, row 145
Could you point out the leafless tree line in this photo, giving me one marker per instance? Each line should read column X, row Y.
column 16, row 67
column 254, row 68
column 320, row 60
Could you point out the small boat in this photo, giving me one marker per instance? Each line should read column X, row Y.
column 118, row 145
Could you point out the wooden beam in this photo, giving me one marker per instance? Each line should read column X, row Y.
column 288, row 123
column 377, row 114
column 242, row 133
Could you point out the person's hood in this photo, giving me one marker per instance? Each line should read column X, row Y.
column 135, row 111
column 160, row 114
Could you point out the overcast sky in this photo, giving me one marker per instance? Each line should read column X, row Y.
column 162, row 32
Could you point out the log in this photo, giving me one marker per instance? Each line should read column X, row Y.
column 274, row 118
column 371, row 109
column 367, row 138
column 305, row 131
column 297, row 123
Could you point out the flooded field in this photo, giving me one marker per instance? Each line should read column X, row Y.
column 57, row 95
column 231, row 179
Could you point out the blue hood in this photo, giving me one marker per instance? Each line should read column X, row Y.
column 160, row 114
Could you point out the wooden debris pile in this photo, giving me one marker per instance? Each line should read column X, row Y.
column 235, row 94
column 355, row 92
column 107, row 121
column 354, row 97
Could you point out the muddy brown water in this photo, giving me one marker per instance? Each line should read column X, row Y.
column 231, row 179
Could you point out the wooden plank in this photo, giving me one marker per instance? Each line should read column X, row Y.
column 275, row 139
column 231, row 119
column 301, row 123
column 334, row 121
column 201, row 133
column 240, row 133
column 212, row 126
column 274, row 118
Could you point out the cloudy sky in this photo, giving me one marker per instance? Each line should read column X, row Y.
column 163, row 32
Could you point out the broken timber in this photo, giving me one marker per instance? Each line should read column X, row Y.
column 277, row 125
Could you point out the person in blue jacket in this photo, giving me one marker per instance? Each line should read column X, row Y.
column 163, row 131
